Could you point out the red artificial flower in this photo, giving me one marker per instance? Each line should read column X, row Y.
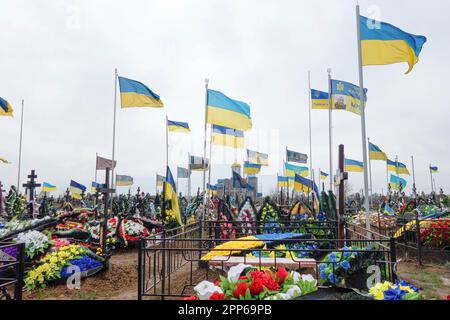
column 217, row 296
column 281, row 275
column 270, row 283
column 256, row 287
column 217, row 283
column 191, row 298
column 240, row 290
column 242, row 278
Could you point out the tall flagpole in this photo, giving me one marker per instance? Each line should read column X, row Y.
column 210, row 160
column 431, row 177
column 204, row 149
column 370, row 176
column 330, row 128
column 190, row 172
column 387, row 177
column 167, row 144
column 311, row 175
column 20, row 147
column 414, row 178
column 363, row 122
column 114, row 129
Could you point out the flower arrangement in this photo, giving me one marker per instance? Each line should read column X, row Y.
column 269, row 221
column 131, row 231
column 226, row 228
column 84, row 263
column 245, row 282
column 35, row 242
column 170, row 221
column 401, row 290
column 51, row 266
column 436, row 234
column 235, row 247
column 247, row 218
column 337, row 266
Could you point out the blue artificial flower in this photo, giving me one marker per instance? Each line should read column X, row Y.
column 332, row 257
column 322, row 266
column 406, row 284
column 394, row 294
column 333, row 278
column 323, row 274
column 345, row 265
column 84, row 263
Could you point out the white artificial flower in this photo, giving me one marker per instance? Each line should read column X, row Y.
column 294, row 292
column 235, row 272
column 205, row 289
column 278, row 296
column 309, row 278
column 295, row 276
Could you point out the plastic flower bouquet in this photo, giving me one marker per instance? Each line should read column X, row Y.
column 35, row 242
column 245, row 282
column 401, row 290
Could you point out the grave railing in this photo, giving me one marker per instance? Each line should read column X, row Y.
column 12, row 256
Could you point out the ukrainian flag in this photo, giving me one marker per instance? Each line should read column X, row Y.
column 47, row 187
column 76, row 189
column 96, row 186
column 124, row 181
column 5, row 108
column 282, row 182
column 175, row 126
column 222, row 136
column 353, row 166
column 251, row 168
column 136, row 94
column 375, row 153
column 383, row 44
column 304, row 184
column 346, row 96
column 402, row 169
column 319, row 99
column 434, row 169
column 171, row 195
column 291, row 170
column 323, row 175
column 160, row 180
column 227, row 112
column 396, row 181
column 391, row 165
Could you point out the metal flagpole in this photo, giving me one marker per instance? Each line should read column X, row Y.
column 310, row 131
column 204, row 149
column 370, row 176
column 363, row 123
column 114, row 129
column 167, row 144
column 431, row 177
column 20, row 147
column 414, row 178
column 190, row 172
column 330, row 127
column 210, row 159
column 387, row 177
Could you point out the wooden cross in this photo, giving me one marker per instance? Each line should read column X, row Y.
column 31, row 184
column 105, row 190
column 67, row 195
column 341, row 176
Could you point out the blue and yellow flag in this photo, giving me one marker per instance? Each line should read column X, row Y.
column 160, row 180
column 402, row 169
column 3, row 160
column 123, row 181
column 175, row 126
column 388, row 210
column 307, row 186
column 396, row 182
column 282, row 182
column 319, row 100
column 383, row 44
column 5, row 108
column 76, row 189
column 136, row 94
column 434, row 169
column 375, row 153
column 291, row 170
column 323, row 175
column 391, row 165
column 353, row 166
column 227, row 137
column 171, row 195
column 47, row 187
column 227, row 112
column 258, row 158
column 96, row 186
column 346, row 96
column 251, row 168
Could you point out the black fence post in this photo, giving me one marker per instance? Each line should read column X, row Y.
column 419, row 243
column 393, row 261
column 20, row 257
column 140, row 268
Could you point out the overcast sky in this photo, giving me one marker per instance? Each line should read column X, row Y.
column 59, row 56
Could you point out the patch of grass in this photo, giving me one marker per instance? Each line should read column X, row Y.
column 86, row 295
